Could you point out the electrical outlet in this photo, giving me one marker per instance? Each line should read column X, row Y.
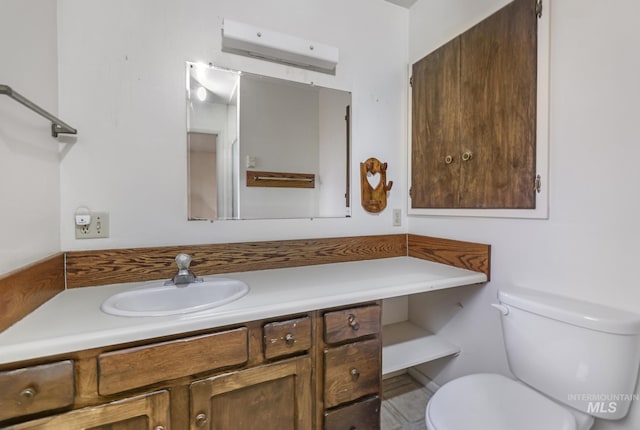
column 96, row 229
column 397, row 217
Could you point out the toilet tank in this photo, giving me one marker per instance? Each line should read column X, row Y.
column 581, row 354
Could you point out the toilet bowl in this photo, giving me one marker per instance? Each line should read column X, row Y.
column 491, row 401
column 564, row 353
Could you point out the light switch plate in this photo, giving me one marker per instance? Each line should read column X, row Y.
column 397, row 217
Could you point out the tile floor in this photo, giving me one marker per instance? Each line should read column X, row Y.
column 403, row 404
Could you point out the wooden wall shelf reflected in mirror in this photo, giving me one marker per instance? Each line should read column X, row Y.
column 280, row 179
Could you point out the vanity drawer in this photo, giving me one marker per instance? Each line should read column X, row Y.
column 131, row 368
column 286, row 337
column 36, row 389
column 348, row 324
column 351, row 371
column 361, row 415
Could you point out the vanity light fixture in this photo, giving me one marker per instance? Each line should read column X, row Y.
column 245, row 39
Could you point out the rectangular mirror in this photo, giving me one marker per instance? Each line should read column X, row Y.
column 261, row 147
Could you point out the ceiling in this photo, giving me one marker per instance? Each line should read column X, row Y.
column 403, row 3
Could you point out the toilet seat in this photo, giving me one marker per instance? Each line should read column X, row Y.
column 492, row 401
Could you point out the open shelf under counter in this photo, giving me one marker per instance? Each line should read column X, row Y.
column 405, row 345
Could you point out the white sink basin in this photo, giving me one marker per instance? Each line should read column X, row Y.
column 161, row 300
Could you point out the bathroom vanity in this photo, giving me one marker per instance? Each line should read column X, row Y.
column 304, row 349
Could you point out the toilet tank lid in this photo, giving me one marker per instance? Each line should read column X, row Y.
column 572, row 311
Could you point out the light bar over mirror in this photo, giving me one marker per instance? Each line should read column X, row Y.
column 245, row 39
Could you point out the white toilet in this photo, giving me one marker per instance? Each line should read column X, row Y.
column 574, row 360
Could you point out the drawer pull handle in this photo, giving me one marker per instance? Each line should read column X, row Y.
column 353, row 323
column 158, row 428
column 289, row 339
column 28, row 393
column 201, row 419
column 355, row 374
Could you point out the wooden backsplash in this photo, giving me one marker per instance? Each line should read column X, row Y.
column 466, row 255
column 138, row 264
column 23, row 291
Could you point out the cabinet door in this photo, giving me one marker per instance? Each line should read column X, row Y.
column 435, row 166
column 498, row 109
column 148, row 412
column 271, row 397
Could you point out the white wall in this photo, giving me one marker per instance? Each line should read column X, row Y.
column 29, row 156
column 588, row 247
column 121, row 66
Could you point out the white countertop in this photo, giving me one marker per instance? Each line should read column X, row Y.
column 73, row 321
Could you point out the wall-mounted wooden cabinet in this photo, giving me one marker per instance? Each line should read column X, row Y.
column 474, row 116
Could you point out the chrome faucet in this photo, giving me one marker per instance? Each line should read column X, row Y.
column 185, row 275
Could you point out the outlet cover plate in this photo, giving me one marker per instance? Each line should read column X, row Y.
column 98, row 227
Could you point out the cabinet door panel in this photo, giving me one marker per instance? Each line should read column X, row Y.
column 435, row 128
column 498, row 109
column 271, row 397
column 148, row 412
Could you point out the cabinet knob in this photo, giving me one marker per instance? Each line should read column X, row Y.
column 158, row 428
column 201, row 419
column 448, row 159
column 467, row 156
column 353, row 322
column 289, row 339
column 28, row 394
column 355, row 374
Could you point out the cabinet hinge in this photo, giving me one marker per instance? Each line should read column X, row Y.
column 537, row 183
column 411, row 81
column 539, row 8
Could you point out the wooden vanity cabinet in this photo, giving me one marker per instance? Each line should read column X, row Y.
column 319, row 370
